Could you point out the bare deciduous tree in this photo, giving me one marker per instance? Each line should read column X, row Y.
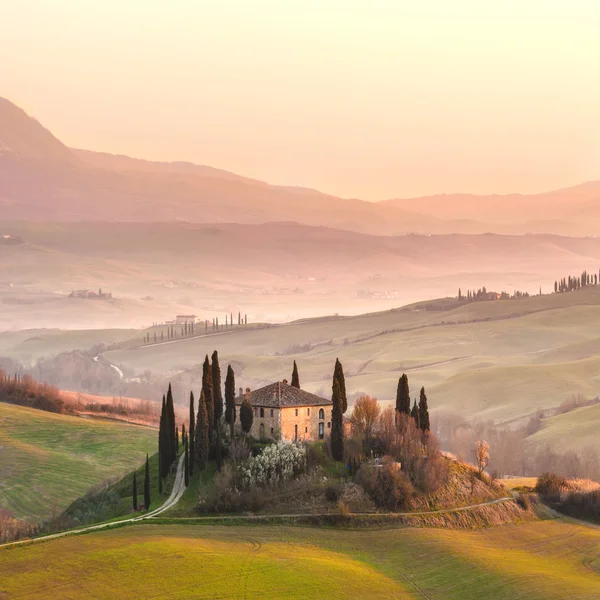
column 386, row 428
column 482, row 455
column 364, row 418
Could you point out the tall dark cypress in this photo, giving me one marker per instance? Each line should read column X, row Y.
column 201, row 442
column 338, row 374
column 218, row 450
column 171, row 429
column 246, row 415
column 135, row 504
column 217, row 393
column 337, row 423
column 414, row 413
column 162, row 443
column 147, row 485
column 295, row 376
column 207, row 390
column 403, row 396
column 423, row 412
column 230, row 399
column 192, row 453
column 186, row 466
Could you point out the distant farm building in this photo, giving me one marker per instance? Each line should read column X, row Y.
column 90, row 294
column 186, row 320
column 284, row 412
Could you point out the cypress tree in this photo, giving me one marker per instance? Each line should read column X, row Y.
column 218, row 456
column 295, row 377
column 207, row 390
column 338, row 374
column 217, row 393
column 191, row 453
column 201, row 442
column 147, row 485
column 246, row 415
column 186, row 466
column 171, row 434
column 337, row 424
column 230, row 399
column 162, row 445
column 415, row 414
column 135, row 505
column 423, row 412
column 403, row 396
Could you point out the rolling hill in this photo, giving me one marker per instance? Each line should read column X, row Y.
column 541, row 560
column 49, row 460
column 497, row 361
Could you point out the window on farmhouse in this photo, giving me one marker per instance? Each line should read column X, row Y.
column 296, row 412
column 321, row 414
column 262, row 413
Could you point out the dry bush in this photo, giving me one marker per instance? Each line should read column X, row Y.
column 356, row 499
column 388, row 487
column 239, row 450
column 343, row 510
column 224, row 497
column 551, row 487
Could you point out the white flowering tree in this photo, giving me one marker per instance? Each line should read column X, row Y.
column 276, row 463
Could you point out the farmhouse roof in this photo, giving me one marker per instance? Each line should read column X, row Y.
column 281, row 394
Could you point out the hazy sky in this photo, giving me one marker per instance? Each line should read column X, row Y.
column 364, row 98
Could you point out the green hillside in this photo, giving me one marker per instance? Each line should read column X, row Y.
column 49, row 460
column 575, row 430
column 541, row 560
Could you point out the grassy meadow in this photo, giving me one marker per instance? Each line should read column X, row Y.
column 541, row 560
column 49, row 460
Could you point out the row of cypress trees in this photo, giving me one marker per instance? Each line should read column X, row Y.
column 205, row 422
column 420, row 412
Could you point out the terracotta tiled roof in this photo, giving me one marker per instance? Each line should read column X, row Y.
column 281, row 394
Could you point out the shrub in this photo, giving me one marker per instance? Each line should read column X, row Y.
column 239, row 450
column 333, row 493
column 388, row 487
column 277, row 462
column 551, row 486
column 343, row 509
column 225, row 497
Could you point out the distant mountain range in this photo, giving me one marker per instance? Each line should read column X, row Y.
column 41, row 179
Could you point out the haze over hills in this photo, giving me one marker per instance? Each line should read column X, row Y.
column 273, row 272
column 42, row 179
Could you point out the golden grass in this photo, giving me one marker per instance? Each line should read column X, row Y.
column 541, row 560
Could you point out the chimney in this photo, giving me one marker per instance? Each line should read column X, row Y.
column 241, row 392
column 248, row 394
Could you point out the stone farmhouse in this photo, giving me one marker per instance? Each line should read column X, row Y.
column 284, row 412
